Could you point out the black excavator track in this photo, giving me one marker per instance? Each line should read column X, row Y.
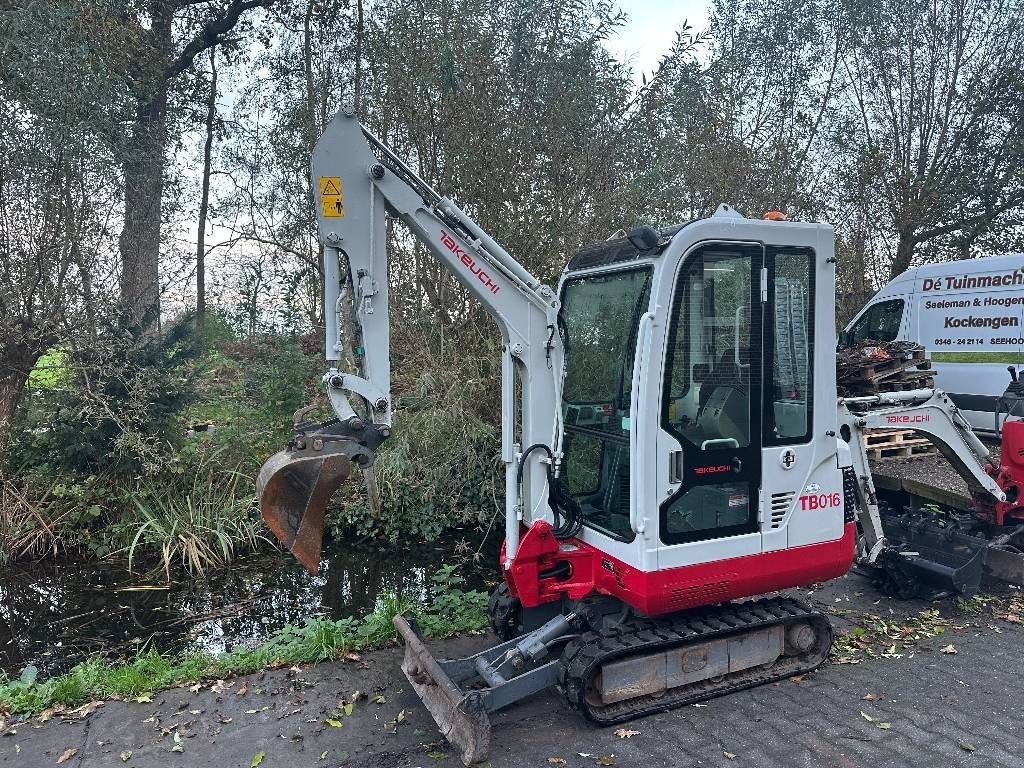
column 584, row 657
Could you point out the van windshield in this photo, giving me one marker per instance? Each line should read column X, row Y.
column 881, row 322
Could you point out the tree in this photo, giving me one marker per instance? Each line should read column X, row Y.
column 168, row 35
column 937, row 86
column 56, row 194
column 204, row 201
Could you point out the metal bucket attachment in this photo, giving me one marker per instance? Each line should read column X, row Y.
column 296, row 484
column 923, row 553
column 460, row 716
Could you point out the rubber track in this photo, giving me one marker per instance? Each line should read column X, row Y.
column 584, row 656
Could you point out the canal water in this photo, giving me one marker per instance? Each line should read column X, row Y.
column 54, row 614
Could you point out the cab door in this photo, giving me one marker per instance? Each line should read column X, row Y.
column 710, row 430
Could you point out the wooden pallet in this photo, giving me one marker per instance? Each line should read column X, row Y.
column 904, row 451
column 906, row 385
column 895, row 443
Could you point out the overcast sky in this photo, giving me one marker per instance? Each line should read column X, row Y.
column 652, row 27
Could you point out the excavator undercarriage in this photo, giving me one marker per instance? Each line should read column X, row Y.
column 614, row 666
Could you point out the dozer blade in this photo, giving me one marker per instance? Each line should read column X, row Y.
column 296, row 484
column 942, row 558
column 460, row 716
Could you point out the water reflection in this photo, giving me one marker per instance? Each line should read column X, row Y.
column 55, row 614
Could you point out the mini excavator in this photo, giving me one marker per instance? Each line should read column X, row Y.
column 674, row 448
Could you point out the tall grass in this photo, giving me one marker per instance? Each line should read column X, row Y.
column 29, row 526
column 202, row 525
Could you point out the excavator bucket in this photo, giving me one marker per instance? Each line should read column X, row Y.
column 296, row 484
column 923, row 554
column 294, row 492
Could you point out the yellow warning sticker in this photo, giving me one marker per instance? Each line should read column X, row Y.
column 331, row 198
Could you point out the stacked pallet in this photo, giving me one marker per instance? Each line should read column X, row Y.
column 870, row 368
column 896, row 444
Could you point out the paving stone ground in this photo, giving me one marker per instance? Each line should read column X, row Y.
column 943, row 709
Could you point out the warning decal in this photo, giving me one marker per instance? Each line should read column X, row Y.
column 331, row 198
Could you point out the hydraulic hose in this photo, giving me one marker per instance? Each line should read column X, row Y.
column 567, row 512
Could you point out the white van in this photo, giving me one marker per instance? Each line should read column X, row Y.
column 968, row 314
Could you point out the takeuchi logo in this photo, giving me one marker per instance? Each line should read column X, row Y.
column 469, row 262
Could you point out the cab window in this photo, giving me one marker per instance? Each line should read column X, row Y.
column 881, row 322
column 599, row 323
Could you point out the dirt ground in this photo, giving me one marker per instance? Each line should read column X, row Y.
column 947, row 699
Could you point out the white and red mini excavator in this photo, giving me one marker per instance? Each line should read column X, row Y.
column 672, row 440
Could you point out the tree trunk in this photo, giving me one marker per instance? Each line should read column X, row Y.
column 904, row 253
column 19, row 358
column 143, row 190
column 204, row 203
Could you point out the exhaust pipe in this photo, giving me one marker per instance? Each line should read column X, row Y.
column 296, row 484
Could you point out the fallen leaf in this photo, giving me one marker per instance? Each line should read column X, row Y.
column 323, row 755
column 401, row 716
column 177, row 748
column 177, row 738
column 948, row 649
column 556, row 760
column 729, row 755
column 352, row 656
column 126, row 756
column 438, row 755
column 218, row 687
column 243, row 688
column 146, row 698
column 67, row 754
column 796, row 678
column 584, row 754
column 333, row 723
column 606, row 760
column 359, row 695
column 257, row 759
column 867, row 717
column 380, row 700
column 884, row 726
column 196, row 688
column 872, row 697
column 295, row 669
column 624, row 733
column 966, row 746
column 347, row 709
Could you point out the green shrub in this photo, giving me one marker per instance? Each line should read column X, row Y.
column 200, row 527
column 117, row 404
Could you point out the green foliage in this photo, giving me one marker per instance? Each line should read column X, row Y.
column 202, row 528
column 441, row 466
column 52, row 370
column 448, row 610
column 118, row 411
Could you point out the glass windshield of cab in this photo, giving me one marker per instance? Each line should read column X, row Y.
column 599, row 326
